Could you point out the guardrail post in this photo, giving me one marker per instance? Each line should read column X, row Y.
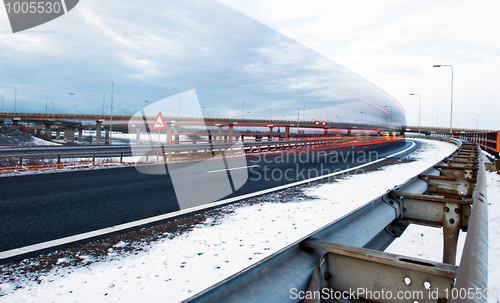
column 451, row 229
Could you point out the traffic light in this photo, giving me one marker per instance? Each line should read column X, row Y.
column 317, row 122
column 324, row 123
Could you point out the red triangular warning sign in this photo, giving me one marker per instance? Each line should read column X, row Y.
column 159, row 123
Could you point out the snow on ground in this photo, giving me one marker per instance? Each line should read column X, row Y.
column 38, row 141
column 493, row 232
column 175, row 269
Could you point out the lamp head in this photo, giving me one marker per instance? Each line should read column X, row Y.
column 436, row 65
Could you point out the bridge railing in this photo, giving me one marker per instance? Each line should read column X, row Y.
column 487, row 140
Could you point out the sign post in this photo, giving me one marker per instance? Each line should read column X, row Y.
column 159, row 124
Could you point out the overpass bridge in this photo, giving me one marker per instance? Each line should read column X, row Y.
column 275, row 129
column 72, row 122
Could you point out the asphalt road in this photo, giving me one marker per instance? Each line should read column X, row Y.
column 43, row 207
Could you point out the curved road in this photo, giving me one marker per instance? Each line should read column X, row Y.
column 43, row 207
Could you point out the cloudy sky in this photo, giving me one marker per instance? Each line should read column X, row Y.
column 394, row 44
column 337, row 59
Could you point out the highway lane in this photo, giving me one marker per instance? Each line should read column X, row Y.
column 43, row 207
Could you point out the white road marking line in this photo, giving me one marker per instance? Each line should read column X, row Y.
column 107, row 230
column 226, row 169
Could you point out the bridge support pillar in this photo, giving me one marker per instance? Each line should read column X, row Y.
column 58, row 133
column 349, row 131
column 137, row 135
column 231, row 131
column 1, row 122
column 70, row 134
column 270, row 137
column 325, row 132
column 98, row 133
column 287, row 132
column 220, row 137
column 176, row 134
column 378, row 133
column 15, row 122
column 169, row 133
column 80, row 134
column 48, row 131
column 107, row 140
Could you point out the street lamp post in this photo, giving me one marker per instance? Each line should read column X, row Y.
column 111, row 113
column 298, row 118
column 451, row 104
column 362, row 112
column 391, row 112
column 338, row 117
column 419, row 110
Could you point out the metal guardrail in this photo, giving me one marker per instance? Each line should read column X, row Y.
column 473, row 272
column 352, row 243
column 109, row 151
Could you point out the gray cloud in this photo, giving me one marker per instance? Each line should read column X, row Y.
column 167, row 47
